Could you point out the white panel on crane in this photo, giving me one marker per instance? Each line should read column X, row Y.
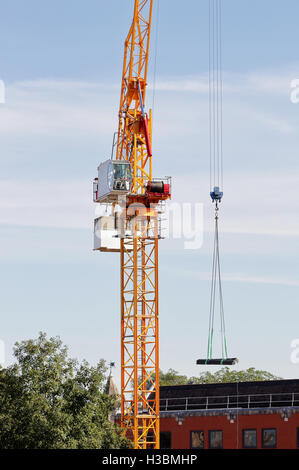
column 106, row 236
column 114, row 179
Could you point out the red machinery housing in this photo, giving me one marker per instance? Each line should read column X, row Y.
column 159, row 189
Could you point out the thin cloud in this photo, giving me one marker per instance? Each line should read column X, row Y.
column 269, row 82
column 243, row 277
column 53, row 107
column 52, row 204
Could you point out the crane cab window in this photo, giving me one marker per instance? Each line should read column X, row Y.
column 121, row 176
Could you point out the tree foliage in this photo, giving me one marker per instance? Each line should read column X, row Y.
column 50, row 401
column 224, row 375
column 172, row 377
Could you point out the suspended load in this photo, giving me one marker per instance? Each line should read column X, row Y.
column 217, row 362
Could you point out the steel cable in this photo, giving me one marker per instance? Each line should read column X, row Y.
column 216, row 162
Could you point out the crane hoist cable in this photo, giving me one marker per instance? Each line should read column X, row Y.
column 216, row 177
column 215, row 94
column 216, row 279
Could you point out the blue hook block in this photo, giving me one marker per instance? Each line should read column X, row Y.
column 216, row 195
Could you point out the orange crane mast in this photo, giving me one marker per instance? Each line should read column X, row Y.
column 134, row 230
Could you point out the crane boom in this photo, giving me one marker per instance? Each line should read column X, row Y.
column 134, row 129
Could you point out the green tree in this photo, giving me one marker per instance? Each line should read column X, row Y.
column 172, row 377
column 50, row 401
column 224, row 375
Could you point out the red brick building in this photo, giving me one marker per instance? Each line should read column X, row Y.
column 253, row 415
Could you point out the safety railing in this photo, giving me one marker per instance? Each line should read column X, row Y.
column 269, row 400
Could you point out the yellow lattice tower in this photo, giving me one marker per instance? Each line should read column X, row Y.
column 139, row 254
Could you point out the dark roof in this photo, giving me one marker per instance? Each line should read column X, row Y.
column 205, row 396
column 219, row 389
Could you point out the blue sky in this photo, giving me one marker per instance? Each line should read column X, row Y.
column 61, row 63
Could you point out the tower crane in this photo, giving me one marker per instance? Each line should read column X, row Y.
column 134, row 202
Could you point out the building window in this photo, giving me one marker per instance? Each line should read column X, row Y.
column 269, row 438
column 249, row 439
column 197, row 440
column 215, row 440
column 165, row 440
